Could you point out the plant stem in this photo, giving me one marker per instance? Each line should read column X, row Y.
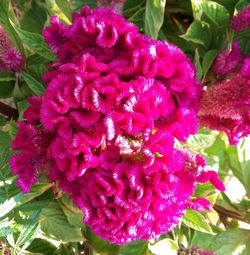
column 8, row 111
column 223, row 212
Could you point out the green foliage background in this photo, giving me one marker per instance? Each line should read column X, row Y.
column 44, row 221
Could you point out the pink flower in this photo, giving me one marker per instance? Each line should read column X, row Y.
column 245, row 70
column 115, row 102
column 242, row 20
column 225, row 107
column 10, row 58
column 126, row 200
column 54, row 35
column 200, row 204
column 228, row 60
column 33, row 144
column 32, row 113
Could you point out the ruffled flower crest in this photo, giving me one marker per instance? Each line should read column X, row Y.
column 115, row 102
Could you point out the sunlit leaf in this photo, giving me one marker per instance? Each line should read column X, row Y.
column 197, row 221
column 198, row 32
column 54, row 224
column 229, row 241
column 154, row 15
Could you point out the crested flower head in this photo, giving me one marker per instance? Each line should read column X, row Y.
column 114, row 104
column 242, row 20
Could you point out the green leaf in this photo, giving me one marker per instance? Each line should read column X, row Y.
column 36, row 59
column 163, row 247
column 216, row 13
column 12, row 129
column 5, row 22
column 33, row 84
column 243, row 37
column 197, row 9
column 199, row 33
column 54, row 9
column 228, row 4
column 78, row 4
column 28, row 232
column 131, row 6
column 34, row 17
column 73, row 214
column 31, row 206
column 37, row 190
column 197, row 221
column 239, row 160
column 6, row 76
column 54, row 224
column 35, row 43
column 42, row 246
column 100, row 245
column 208, row 60
column 10, row 204
column 138, row 18
column 3, row 121
column 62, row 250
column 136, row 248
column 197, row 64
column 6, row 88
column 154, row 16
column 17, row 93
column 37, row 71
column 241, row 4
column 218, row 153
column 201, row 141
column 202, row 240
column 5, row 140
column 65, row 7
column 5, row 228
column 229, row 241
column 22, row 106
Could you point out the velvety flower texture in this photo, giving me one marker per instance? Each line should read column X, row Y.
column 115, row 102
column 195, row 251
column 225, row 106
column 242, row 20
column 10, row 58
column 228, row 60
column 32, row 142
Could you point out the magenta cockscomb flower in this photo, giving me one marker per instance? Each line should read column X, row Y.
column 33, row 144
column 228, row 60
column 242, row 20
column 132, row 193
column 114, row 104
column 11, row 59
column 225, row 107
column 245, row 69
column 195, row 251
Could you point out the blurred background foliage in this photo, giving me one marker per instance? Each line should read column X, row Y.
column 44, row 221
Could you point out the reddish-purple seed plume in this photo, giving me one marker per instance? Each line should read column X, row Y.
column 11, row 58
